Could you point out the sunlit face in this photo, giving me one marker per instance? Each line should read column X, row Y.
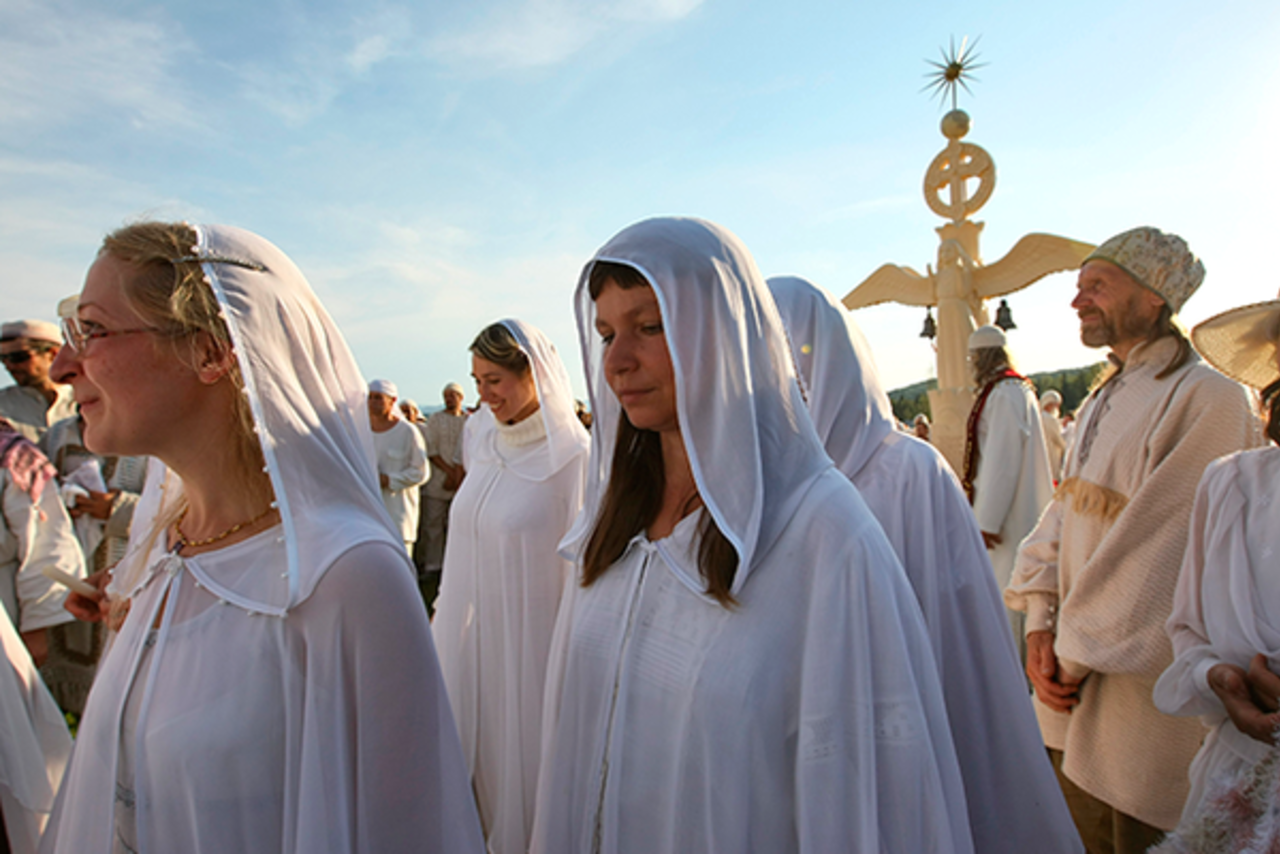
column 133, row 389
column 1113, row 308
column 27, row 361
column 510, row 397
column 381, row 405
column 637, row 363
column 453, row 400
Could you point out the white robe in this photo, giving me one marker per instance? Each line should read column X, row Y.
column 1015, row 803
column 806, row 719
column 402, row 457
column 500, row 592
column 1013, row 484
column 1226, row 607
column 34, row 743
column 235, row 745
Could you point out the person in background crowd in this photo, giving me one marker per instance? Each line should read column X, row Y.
column 1054, row 441
column 273, row 686
column 402, row 459
column 1096, row 577
column 409, row 411
column 1226, row 608
column 920, row 426
column 526, row 457
column 35, row 401
column 742, row 665
column 1006, row 467
column 1014, row 801
column 36, row 535
column 444, row 445
column 100, row 494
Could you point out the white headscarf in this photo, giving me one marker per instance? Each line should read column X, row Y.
column 566, row 437
column 846, row 398
column 308, row 403
column 751, row 444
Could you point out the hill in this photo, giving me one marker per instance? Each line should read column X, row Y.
column 1072, row 383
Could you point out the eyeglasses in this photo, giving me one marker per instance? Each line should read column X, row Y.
column 78, row 333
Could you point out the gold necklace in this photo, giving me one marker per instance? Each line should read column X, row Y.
column 185, row 543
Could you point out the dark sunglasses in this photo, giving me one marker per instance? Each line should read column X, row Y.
column 17, row 357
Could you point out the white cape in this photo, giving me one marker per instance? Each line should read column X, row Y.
column 807, row 718
column 1015, row 803
column 501, row 588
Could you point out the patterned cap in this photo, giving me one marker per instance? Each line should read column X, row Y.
column 1159, row 262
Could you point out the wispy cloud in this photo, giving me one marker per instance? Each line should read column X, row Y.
column 535, row 33
column 59, row 63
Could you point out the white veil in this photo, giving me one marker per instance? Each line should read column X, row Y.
column 566, row 437
column 308, row 404
column 848, row 404
column 751, row 443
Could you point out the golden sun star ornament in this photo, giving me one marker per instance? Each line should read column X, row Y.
column 955, row 70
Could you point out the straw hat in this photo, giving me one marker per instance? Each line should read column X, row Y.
column 1242, row 342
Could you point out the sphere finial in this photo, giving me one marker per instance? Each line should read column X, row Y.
column 955, row 124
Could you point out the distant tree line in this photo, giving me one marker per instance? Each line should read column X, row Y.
column 1073, row 384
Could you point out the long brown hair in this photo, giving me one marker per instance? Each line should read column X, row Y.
column 633, row 496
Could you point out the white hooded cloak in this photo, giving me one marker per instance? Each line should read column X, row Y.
column 1015, row 803
column 808, row 717
column 290, row 699
column 501, row 588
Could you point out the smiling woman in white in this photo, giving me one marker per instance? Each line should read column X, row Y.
column 273, row 687
column 525, row 453
column 745, row 668
column 1015, row 803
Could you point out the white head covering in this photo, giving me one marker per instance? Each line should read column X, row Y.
column 566, row 437
column 751, row 444
column 987, row 336
column 386, row 387
column 308, row 404
column 848, row 404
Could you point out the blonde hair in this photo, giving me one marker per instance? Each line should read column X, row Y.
column 174, row 296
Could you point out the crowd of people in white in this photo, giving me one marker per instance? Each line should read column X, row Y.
column 740, row 608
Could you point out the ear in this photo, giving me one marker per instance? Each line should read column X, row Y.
column 213, row 359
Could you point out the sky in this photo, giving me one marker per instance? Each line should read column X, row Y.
column 436, row 166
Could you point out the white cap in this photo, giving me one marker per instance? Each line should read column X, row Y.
column 386, row 387
column 454, row 387
column 987, row 336
column 32, row 330
column 1050, row 396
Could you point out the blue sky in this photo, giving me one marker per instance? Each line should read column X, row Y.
column 433, row 167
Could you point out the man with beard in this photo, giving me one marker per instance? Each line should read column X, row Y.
column 1096, row 576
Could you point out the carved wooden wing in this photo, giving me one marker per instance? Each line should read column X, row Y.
column 1033, row 257
column 892, row 283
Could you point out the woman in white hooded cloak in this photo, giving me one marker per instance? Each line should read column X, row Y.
column 503, row 577
column 788, row 704
column 273, row 687
column 1015, row 803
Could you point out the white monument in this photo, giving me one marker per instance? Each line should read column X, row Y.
column 961, row 283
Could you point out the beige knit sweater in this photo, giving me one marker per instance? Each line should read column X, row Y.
column 1101, row 566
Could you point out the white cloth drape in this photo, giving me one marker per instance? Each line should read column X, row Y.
column 293, row 701
column 807, row 718
column 1015, row 803
column 401, row 453
column 1226, row 608
column 34, row 741
column 501, row 589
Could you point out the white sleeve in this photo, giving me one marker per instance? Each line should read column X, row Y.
column 1000, row 457
column 45, row 538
